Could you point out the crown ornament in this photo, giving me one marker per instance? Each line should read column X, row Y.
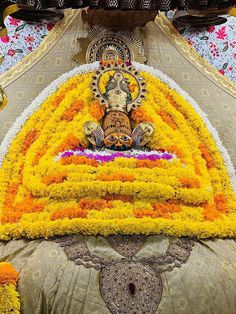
column 121, row 71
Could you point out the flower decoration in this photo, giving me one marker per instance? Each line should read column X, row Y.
column 9, row 297
column 52, row 183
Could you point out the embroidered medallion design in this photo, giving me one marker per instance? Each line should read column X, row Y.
column 130, row 287
column 101, row 44
column 129, row 284
column 126, row 245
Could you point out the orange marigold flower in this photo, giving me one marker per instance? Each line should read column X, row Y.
column 79, row 160
column 210, row 212
column 96, row 204
column 175, row 150
column 197, row 168
column 11, row 194
column 69, row 213
column 149, row 163
column 29, row 206
column 55, row 178
column 171, row 101
column 116, row 177
column 8, row 274
column 10, row 215
column 29, row 140
column 168, row 119
column 96, row 110
column 39, row 155
column 167, row 208
column 70, row 142
column 170, row 205
column 76, row 106
column 189, row 183
column 206, row 155
column 160, row 210
column 221, row 203
column 139, row 115
column 57, row 100
column 14, row 212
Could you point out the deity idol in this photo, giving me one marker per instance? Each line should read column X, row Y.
column 115, row 132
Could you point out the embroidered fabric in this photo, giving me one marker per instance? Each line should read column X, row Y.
column 22, row 38
column 126, row 245
column 129, row 285
column 78, row 252
column 216, row 44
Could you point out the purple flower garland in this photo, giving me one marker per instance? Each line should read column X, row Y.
column 107, row 158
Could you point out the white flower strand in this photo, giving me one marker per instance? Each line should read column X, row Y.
column 21, row 120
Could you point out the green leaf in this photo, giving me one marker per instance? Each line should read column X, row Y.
column 204, row 38
column 225, row 65
column 226, row 47
column 20, row 27
column 19, row 50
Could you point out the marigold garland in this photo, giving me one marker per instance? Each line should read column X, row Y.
column 96, row 110
column 69, row 213
column 70, row 142
column 55, row 179
column 42, row 195
column 221, row 203
column 79, row 160
column 76, row 106
column 139, row 115
column 206, row 155
column 189, row 182
column 95, row 204
column 150, row 164
column 29, row 139
column 9, row 297
column 168, row 119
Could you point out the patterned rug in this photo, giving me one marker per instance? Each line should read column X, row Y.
column 22, row 38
